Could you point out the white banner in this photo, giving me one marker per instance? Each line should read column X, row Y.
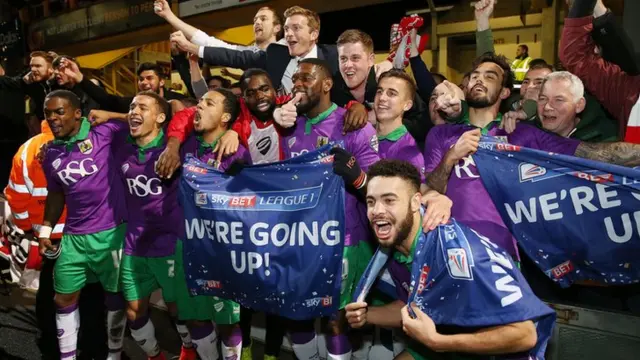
column 194, row 7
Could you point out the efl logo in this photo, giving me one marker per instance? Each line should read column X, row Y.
column 530, row 171
column 562, row 269
column 196, row 169
column 458, row 264
column 327, row 301
column 248, row 201
column 604, row 178
column 507, row 147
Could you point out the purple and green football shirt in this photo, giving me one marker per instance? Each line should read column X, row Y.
column 310, row 134
column 472, row 204
column 155, row 219
column 84, row 169
column 400, row 145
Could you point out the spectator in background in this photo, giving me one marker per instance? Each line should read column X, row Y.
column 521, row 64
column 217, row 81
column 63, row 81
column 236, row 89
column 13, row 130
column 616, row 90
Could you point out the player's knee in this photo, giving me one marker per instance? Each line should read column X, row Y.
column 64, row 300
column 335, row 326
column 173, row 310
column 135, row 310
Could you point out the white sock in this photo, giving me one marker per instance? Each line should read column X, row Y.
column 68, row 322
column 346, row 356
column 231, row 352
column 308, row 351
column 116, row 321
column 363, row 352
column 207, row 347
column 146, row 338
column 185, row 336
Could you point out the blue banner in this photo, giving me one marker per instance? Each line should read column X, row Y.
column 270, row 238
column 460, row 278
column 576, row 219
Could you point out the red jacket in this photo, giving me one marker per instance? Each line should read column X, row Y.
column 617, row 91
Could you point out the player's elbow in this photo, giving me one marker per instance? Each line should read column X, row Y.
column 527, row 336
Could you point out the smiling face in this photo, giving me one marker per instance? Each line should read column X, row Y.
column 299, row 36
column 558, row 108
column 355, row 63
column 149, row 80
column 310, row 81
column 62, row 118
column 485, row 85
column 391, row 208
column 210, row 112
column 145, row 116
column 392, row 99
column 533, row 79
column 260, row 96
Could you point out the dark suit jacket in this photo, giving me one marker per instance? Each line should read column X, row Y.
column 274, row 60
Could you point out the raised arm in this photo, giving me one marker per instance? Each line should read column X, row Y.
column 484, row 36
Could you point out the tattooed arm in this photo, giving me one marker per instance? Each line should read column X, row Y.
column 618, row 153
column 437, row 180
column 466, row 145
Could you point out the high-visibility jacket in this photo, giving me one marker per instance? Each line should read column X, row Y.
column 26, row 192
column 520, row 68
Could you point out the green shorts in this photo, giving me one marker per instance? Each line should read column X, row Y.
column 90, row 258
column 141, row 276
column 354, row 262
column 200, row 307
column 421, row 352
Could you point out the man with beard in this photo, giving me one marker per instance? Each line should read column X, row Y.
column 450, row 168
column 150, row 77
column 394, row 212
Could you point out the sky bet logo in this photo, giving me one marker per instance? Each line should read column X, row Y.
column 285, row 200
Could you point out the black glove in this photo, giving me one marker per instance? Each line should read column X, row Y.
column 345, row 165
column 236, row 167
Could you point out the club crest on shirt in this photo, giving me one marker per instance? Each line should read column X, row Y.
column 56, row 163
column 291, row 142
column 201, row 198
column 502, row 139
column 86, row 147
column 322, row 141
column 373, row 142
column 125, row 167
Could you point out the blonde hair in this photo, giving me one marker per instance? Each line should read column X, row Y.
column 353, row 36
column 313, row 20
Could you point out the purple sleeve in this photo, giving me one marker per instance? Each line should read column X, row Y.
column 433, row 149
column 363, row 144
column 52, row 183
column 113, row 130
column 246, row 155
column 416, row 159
column 546, row 141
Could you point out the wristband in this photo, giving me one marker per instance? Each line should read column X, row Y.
column 350, row 104
column 45, row 232
column 360, row 181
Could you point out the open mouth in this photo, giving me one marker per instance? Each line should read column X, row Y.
column 135, row 123
column 292, row 43
column 479, row 87
column 382, row 228
column 263, row 105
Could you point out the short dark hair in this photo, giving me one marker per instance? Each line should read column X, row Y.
column 438, row 78
column 396, row 168
column 248, row 74
column 163, row 104
column 524, row 47
column 501, row 61
column 537, row 64
column 400, row 74
column 231, row 104
column 322, row 64
column 71, row 97
column 225, row 83
column 189, row 102
column 235, row 85
column 150, row 66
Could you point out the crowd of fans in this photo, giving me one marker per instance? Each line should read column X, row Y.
column 587, row 105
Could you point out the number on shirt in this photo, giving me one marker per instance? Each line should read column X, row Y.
column 172, row 267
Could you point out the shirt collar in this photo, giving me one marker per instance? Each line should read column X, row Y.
column 156, row 142
column 323, row 115
column 408, row 259
column 395, row 135
column 485, row 130
column 82, row 134
column 313, row 54
column 203, row 146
